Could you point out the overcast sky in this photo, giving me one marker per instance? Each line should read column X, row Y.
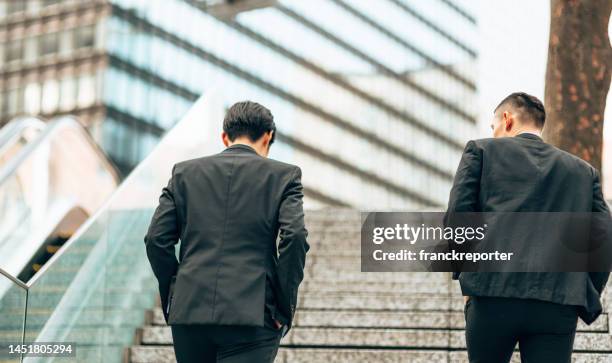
column 513, row 53
column 514, row 36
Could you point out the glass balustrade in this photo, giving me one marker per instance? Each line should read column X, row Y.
column 95, row 291
column 13, row 297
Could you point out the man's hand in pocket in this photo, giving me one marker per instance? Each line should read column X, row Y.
column 278, row 324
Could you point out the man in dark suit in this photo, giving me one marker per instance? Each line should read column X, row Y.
column 516, row 171
column 232, row 294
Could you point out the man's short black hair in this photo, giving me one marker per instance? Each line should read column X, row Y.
column 248, row 119
column 528, row 106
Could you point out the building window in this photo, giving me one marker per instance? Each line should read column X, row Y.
column 66, row 42
column 50, row 96
column 67, row 94
column 32, row 98
column 87, row 91
column 49, row 43
column 13, row 51
column 85, row 37
column 30, row 50
column 51, row 2
column 13, row 7
column 13, row 103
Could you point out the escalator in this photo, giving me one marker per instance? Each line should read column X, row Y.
column 94, row 290
column 47, row 171
column 66, row 227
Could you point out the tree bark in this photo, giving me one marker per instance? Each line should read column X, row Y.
column 578, row 76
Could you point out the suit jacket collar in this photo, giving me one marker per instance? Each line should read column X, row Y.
column 528, row 135
column 240, row 147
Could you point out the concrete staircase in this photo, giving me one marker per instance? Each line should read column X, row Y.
column 348, row 316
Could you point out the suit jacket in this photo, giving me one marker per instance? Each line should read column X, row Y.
column 524, row 174
column 228, row 210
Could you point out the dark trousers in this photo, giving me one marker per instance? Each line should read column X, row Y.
column 226, row 344
column 543, row 330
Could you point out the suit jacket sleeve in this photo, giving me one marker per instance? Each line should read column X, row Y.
column 601, row 233
column 292, row 246
column 162, row 236
column 464, row 195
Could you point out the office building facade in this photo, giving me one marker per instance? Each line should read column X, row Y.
column 373, row 99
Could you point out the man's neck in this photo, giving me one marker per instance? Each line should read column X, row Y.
column 243, row 143
column 253, row 146
column 530, row 131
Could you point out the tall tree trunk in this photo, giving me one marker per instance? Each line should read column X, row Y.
column 578, row 76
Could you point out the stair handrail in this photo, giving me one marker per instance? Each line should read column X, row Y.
column 14, row 279
column 15, row 126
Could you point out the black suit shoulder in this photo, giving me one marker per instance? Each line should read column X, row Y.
column 273, row 164
column 570, row 160
column 576, row 161
column 280, row 165
column 184, row 165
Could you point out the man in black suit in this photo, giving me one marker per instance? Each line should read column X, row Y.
column 232, row 294
column 516, row 171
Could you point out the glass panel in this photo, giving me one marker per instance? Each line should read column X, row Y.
column 12, row 315
column 85, row 37
column 14, row 101
column 32, row 98
column 87, row 90
column 15, row 7
column 49, row 43
column 66, row 298
column 51, row 2
column 67, row 94
column 50, row 98
column 31, row 49
column 13, row 50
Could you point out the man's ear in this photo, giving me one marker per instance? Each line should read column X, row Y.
column 225, row 139
column 508, row 120
column 267, row 137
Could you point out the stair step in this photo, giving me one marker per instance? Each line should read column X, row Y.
column 302, row 355
column 379, row 301
column 382, row 338
column 157, row 354
column 334, row 235
column 52, row 248
column 332, row 215
column 434, row 286
column 358, row 276
column 165, row 354
column 385, row 319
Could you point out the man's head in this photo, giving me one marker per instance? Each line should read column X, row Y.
column 251, row 124
column 519, row 112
